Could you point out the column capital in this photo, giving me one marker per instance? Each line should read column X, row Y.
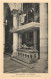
column 17, row 12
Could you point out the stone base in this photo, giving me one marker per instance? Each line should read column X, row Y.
column 27, row 56
column 14, row 54
column 32, row 65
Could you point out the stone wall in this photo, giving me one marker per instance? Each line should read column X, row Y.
column 43, row 31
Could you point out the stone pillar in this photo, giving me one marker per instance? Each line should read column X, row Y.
column 35, row 39
column 22, row 6
column 15, row 36
column 43, row 31
column 20, row 40
column 14, row 21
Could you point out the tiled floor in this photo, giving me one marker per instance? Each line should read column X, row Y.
column 11, row 66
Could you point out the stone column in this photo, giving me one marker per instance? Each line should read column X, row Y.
column 14, row 21
column 22, row 6
column 15, row 36
column 20, row 40
column 35, row 39
column 43, row 31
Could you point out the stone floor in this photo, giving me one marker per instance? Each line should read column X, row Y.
column 11, row 66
